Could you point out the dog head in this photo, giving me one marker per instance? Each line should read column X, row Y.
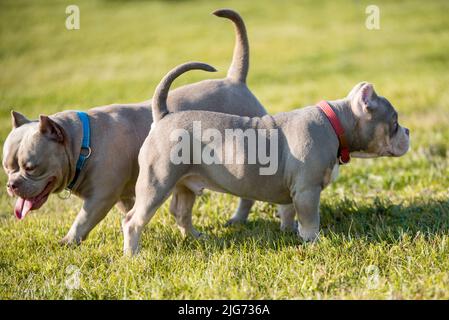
column 378, row 132
column 35, row 160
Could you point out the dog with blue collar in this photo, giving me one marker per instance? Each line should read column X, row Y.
column 94, row 154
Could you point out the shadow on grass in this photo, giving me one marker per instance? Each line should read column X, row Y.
column 380, row 221
column 258, row 233
column 383, row 221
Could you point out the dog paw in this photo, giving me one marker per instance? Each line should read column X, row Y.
column 308, row 235
column 69, row 242
column 234, row 221
column 130, row 251
column 290, row 227
column 202, row 236
column 198, row 235
column 191, row 233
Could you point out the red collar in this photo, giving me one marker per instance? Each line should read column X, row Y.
column 343, row 150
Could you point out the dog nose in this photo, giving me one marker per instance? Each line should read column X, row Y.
column 407, row 131
column 12, row 186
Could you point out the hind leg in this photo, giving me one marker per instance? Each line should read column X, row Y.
column 153, row 187
column 148, row 200
column 181, row 206
column 242, row 212
column 136, row 219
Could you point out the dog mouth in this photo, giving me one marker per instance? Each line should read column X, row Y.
column 24, row 206
column 397, row 153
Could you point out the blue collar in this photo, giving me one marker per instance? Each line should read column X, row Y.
column 85, row 151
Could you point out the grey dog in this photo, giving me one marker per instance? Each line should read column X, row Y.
column 40, row 156
column 307, row 154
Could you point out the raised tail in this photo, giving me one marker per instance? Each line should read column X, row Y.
column 240, row 60
column 159, row 103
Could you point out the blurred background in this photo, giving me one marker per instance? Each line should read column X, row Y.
column 301, row 52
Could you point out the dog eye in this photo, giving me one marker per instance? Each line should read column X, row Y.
column 395, row 126
column 29, row 168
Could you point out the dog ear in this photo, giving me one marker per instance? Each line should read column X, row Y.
column 367, row 95
column 51, row 129
column 18, row 119
column 362, row 97
column 356, row 89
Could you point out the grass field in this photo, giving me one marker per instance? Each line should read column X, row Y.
column 385, row 222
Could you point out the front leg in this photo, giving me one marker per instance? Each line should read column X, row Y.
column 93, row 211
column 286, row 213
column 306, row 203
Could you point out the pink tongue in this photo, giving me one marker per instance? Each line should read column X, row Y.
column 22, row 208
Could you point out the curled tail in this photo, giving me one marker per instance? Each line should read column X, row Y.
column 159, row 103
column 240, row 60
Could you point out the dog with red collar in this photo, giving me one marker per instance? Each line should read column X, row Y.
column 309, row 145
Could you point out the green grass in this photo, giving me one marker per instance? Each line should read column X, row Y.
column 389, row 216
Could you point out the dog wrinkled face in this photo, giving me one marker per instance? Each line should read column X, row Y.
column 33, row 159
column 379, row 133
